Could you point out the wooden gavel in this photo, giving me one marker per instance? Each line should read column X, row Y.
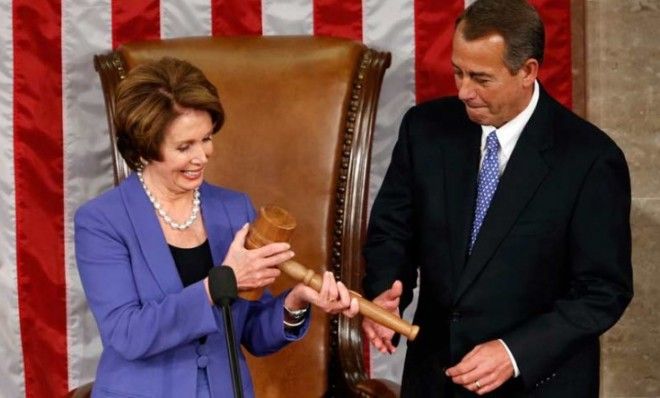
column 275, row 224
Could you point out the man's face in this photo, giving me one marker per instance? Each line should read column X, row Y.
column 492, row 95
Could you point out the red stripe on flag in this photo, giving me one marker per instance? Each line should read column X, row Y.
column 38, row 174
column 236, row 17
column 434, row 29
column 556, row 73
column 339, row 18
column 366, row 354
column 135, row 20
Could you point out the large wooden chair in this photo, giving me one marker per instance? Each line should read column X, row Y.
column 300, row 115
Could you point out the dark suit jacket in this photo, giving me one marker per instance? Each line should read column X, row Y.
column 550, row 270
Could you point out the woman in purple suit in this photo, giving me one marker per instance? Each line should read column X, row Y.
column 145, row 248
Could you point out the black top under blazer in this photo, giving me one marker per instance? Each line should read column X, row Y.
column 550, row 270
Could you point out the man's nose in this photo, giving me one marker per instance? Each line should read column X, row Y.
column 465, row 89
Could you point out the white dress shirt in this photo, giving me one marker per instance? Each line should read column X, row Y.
column 508, row 135
column 510, row 131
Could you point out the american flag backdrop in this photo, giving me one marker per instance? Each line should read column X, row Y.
column 54, row 150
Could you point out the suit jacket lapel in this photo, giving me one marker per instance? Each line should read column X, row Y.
column 524, row 173
column 150, row 236
column 461, row 167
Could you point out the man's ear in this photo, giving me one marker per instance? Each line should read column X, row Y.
column 529, row 72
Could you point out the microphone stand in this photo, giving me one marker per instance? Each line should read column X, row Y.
column 223, row 289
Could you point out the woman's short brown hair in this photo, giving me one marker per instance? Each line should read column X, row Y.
column 151, row 97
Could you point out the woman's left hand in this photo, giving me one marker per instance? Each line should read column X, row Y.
column 333, row 297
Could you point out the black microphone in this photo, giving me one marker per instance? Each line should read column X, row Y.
column 224, row 290
column 222, row 285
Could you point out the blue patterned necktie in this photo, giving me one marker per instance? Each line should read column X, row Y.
column 489, row 176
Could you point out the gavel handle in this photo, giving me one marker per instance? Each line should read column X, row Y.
column 368, row 309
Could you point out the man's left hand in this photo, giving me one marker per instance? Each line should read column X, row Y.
column 483, row 369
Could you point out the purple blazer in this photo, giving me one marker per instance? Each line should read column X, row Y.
column 149, row 323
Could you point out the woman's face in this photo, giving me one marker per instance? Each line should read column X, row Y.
column 185, row 151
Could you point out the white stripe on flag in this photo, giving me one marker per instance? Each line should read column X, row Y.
column 12, row 379
column 390, row 26
column 185, row 18
column 292, row 17
column 86, row 30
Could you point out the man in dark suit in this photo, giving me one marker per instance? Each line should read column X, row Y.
column 515, row 212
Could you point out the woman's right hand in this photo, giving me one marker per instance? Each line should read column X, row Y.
column 258, row 267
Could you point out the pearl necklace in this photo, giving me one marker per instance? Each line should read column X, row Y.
column 161, row 212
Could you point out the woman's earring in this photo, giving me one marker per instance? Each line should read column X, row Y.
column 143, row 162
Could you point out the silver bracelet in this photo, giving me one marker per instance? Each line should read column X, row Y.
column 294, row 325
column 297, row 314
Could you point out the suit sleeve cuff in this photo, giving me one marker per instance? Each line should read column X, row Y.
column 516, row 371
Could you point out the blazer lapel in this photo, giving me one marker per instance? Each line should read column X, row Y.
column 218, row 223
column 150, row 236
column 461, row 167
column 524, row 173
column 152, row 241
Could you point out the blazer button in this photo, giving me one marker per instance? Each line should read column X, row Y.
column 455, row 316
column 202, row 349
column 202, row 361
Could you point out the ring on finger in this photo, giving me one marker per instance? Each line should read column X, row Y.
column 476, row 383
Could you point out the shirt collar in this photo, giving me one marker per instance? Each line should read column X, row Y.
column 509, row 132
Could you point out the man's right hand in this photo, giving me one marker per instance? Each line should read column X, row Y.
column 381, row 336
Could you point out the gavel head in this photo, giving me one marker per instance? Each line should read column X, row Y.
column 273, row 224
